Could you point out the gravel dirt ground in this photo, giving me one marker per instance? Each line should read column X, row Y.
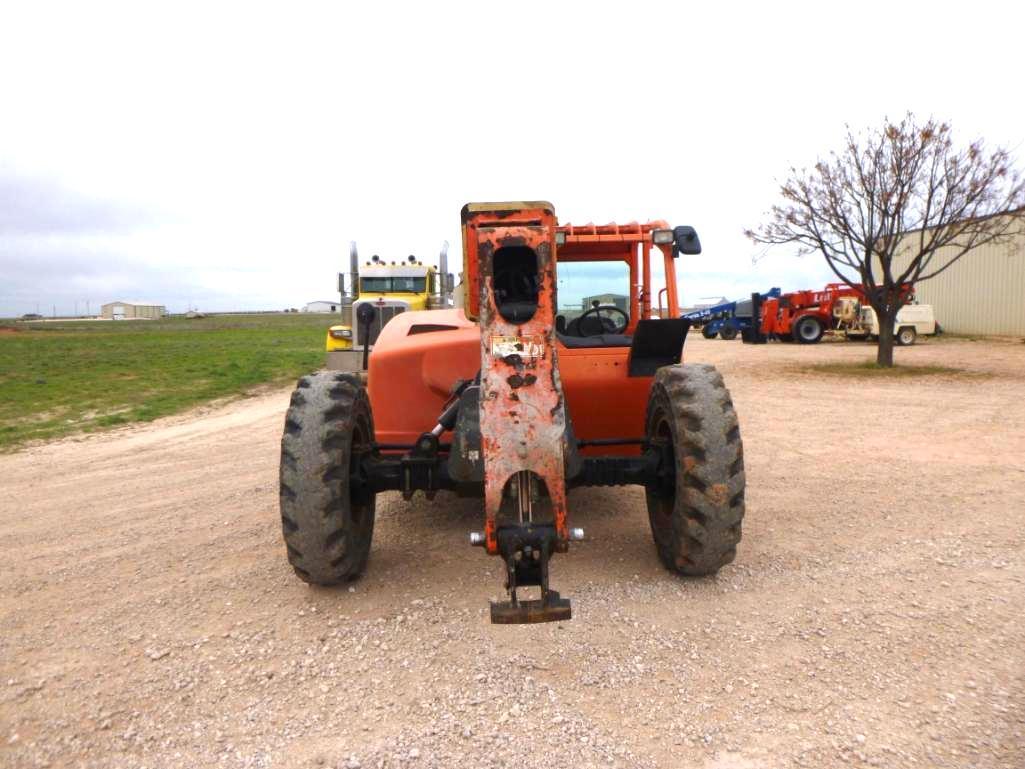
column 875, row 613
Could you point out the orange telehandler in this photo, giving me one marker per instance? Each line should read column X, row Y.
column 516, row 398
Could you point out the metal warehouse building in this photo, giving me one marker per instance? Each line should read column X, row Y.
column 982, row 293
column 129, row 310
column 323, row 306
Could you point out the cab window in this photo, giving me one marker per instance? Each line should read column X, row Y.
column 389, row 285
column 585, row 286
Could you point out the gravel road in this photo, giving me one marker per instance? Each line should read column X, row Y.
column 875, row 613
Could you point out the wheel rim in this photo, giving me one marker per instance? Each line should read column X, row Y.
column 905, row 337
column 807, row 330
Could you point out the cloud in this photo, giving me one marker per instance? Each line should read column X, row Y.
column 235, row 179
column 32, row 206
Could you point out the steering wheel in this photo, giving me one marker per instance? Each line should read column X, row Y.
column 602, row 323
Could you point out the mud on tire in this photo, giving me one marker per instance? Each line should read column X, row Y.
column 327, row 515
column 696, row 511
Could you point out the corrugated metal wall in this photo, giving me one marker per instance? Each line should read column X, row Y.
column 133, row 310
column 982, row 293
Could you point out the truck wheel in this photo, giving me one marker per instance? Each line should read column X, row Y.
column 707, row 332
column 808, row 330
column 728, row 333
column 327, row 514
column 697, row 506
column 907, row 336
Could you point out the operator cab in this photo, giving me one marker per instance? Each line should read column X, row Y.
column 606, row 285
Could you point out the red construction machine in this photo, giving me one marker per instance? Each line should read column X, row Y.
column 804, row 316
column 516, row 397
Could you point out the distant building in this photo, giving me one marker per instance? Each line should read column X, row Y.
column 981, row 293
column 323, row 306
column 617, row 300
column 130, row 310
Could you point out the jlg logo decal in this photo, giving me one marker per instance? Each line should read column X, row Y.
column 527, row 347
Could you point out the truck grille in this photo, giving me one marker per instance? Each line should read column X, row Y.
column 384, row 314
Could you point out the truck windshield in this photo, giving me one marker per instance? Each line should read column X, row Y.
column 393, row 285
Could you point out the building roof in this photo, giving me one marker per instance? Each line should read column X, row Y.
column 135, row 302
column 710, row 301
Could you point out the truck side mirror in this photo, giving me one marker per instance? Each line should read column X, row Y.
column 685, row 241
column 365, row 316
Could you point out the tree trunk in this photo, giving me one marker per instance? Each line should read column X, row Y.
column 884, row 352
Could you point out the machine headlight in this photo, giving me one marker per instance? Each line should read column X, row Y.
column 662, row 237
column 341, row 333
column 560, row 238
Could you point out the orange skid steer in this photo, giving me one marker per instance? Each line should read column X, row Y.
column 516, row 396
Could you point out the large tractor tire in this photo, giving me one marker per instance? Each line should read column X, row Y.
column 697, row 507
column 327, row 515
column 808, row 330
column 728, row 333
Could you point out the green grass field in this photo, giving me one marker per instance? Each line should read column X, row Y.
column 58, row 378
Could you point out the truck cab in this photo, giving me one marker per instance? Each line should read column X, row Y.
column 391, row 288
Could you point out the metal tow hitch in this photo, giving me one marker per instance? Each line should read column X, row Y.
column 526, row 550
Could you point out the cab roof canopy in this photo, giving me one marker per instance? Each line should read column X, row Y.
column 605, row 242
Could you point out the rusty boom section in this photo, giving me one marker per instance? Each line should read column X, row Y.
column 523, row 423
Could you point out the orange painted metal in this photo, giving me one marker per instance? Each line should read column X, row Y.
column 411, row 375
column 411, row 378
column 619, row 242
column 522, row 410
column 602, row 401
column 509, row 214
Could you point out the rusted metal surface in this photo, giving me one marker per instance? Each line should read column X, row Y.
column 555, row 609
column 522, row 411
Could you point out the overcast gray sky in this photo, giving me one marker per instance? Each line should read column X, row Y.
column 225, row 154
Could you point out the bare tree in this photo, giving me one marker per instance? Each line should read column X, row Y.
column 895, row 207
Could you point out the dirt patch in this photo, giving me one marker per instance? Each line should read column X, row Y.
column 874, row 614
column 870, row 370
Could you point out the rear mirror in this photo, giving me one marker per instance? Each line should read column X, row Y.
column 685, row 240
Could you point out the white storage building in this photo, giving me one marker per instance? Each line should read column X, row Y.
column 981, row 293
column 128, row 310
column 325, row 305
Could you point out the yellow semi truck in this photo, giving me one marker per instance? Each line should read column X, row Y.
column 390, row 287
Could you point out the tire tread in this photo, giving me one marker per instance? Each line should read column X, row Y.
column 708, row 506
column 325, row 542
